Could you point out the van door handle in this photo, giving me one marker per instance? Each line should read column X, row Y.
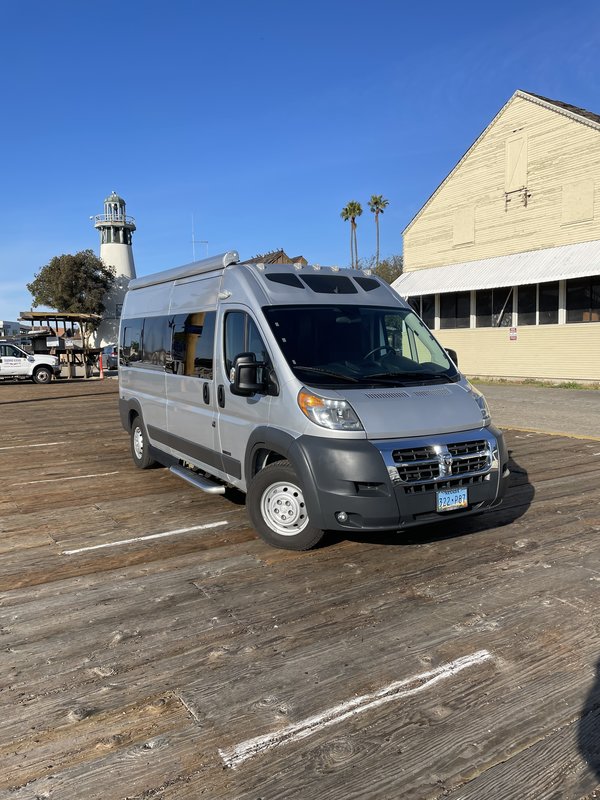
column 206, row 393
column 221, row 396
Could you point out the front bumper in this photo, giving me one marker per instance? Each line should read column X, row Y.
column 354, row 476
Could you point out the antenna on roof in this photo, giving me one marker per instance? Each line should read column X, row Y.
column 197, row 241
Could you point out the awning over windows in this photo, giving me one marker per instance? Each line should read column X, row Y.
column 533, row 266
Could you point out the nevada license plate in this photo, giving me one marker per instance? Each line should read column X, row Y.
column 450, row 499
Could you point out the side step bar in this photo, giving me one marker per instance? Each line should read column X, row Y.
column 196, row 480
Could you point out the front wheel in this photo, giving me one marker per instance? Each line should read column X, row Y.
column 277, row 509
column 42, row 375
column 140, row 449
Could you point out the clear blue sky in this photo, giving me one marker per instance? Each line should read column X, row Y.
column 261, row 118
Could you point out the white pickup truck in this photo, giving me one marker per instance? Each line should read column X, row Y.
column 16, row 363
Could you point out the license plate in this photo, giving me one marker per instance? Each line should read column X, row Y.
column 450, row 499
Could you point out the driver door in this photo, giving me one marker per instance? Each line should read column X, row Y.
column 238, row 416
column 13, row 361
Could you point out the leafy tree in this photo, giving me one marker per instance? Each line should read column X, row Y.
column 349, row 213
column 377, row 205
column 73, row 283
column 388, row 270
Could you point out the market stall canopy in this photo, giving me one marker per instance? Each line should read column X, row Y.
column 534, row 266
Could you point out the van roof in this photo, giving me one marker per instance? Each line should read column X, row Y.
column 313, row 278
column 187, row 270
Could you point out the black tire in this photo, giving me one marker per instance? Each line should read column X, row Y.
column 274, row 491
column 140, row 448
column 42, row 374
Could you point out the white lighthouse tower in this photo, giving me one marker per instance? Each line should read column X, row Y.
column 116, row 230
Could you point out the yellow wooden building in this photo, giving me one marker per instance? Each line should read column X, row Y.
column 503, row 260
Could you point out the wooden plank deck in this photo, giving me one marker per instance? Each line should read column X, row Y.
column 139, row 669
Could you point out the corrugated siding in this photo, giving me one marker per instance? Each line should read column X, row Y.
column 555, row 352
column 560, row 151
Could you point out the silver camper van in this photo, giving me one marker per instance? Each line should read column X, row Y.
column 317, row 391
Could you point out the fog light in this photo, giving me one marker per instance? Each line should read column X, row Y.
column 341, row 516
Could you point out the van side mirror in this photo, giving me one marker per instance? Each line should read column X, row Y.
column 245, row 377
column 453, row 355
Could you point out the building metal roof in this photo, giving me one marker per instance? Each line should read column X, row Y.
column 533, row 266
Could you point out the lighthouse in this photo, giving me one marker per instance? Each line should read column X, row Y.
column 116, row 231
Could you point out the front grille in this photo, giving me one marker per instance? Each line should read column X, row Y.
column 416, row 464
column 453, row 483
column 466, row 448
column 420, row 465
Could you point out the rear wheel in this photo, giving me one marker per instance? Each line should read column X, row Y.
column 140, row 449
column 42, row 375
column 277, row 509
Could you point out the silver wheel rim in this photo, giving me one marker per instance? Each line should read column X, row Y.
column 283, row 508
column 138, row 443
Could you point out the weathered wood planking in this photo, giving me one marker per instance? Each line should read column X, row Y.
column 233, row 639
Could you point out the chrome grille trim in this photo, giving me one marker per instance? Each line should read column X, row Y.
column 431, row 460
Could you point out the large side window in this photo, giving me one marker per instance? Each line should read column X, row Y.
column 131, row 340
column 193, row 344
column 583, row 300
column 242, row 336
column 155, row 341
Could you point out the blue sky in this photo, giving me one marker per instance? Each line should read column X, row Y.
column 262, row 118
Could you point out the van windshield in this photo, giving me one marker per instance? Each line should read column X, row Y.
column 358, row 346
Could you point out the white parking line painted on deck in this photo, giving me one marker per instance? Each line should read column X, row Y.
column 234, row 756
column 19, row 446
column 71, row 478
column 144, row 538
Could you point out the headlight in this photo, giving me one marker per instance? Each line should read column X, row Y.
column 335, row 414
column 482, row 403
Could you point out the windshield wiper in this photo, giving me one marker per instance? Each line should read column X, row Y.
column 328, row 372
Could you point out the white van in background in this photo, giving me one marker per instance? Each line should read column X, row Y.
column 16, row 363
column 317, row 391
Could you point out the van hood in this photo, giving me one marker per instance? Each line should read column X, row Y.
column 399, row 412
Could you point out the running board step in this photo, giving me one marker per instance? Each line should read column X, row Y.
column 198, row 481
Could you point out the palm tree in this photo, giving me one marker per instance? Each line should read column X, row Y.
column 378, row 204
column 349, row 213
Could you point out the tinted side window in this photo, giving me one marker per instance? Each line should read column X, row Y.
column 131, row 340
column 155, row 341
column 235, row 328
column 242, row 336
column 193, row 344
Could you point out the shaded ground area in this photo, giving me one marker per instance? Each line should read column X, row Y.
column 133, row 667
